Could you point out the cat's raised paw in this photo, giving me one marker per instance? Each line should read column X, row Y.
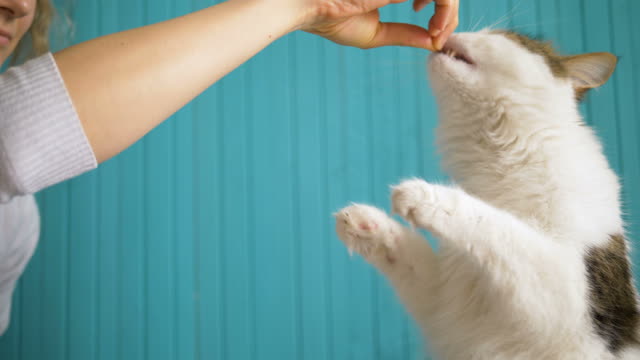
column 365, row 229
column 416, row 201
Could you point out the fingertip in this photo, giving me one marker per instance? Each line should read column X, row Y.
column 421, row 40
column 442, row 39
column 418, row 5
column 427, row 44
column 424, row 42
column 438, row 43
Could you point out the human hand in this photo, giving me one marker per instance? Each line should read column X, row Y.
column 357, row 23
column 443, row 22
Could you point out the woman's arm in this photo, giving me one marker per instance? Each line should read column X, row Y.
column 123, row 85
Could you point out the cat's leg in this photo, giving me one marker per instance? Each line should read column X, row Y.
column 464, row 222
column 401, row 254
column 524, row 269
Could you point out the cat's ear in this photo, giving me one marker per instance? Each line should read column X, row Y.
column 588, row 71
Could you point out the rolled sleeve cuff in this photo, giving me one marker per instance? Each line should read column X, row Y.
column 41, row 137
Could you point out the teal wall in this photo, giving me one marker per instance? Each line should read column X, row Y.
column 212, row 238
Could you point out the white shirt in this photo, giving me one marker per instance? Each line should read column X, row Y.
column 42, row 143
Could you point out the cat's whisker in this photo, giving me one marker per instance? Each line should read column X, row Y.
column 515, row 7
column 511, row 14
column 500, row 20
column 505, row 18
column 477, row 23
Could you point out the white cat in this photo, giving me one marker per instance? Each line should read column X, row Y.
column 532, row 261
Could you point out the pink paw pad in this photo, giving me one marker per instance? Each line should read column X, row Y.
column 368, row 227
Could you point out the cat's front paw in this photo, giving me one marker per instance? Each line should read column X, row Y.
column 366, row 230
column 418, row 202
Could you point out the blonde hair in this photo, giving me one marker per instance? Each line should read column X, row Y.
column 36, row 40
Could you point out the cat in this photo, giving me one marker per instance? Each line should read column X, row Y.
column 532, row 261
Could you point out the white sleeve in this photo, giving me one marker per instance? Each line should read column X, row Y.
column 42, row 141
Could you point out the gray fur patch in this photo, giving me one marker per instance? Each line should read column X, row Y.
column 545, row 49
column 542, row 48
column 612, row 296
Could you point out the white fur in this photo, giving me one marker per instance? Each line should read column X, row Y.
column 533, row 192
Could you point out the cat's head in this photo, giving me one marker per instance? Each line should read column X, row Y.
column 493, row 65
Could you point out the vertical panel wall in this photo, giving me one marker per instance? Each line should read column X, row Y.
column 213, row 239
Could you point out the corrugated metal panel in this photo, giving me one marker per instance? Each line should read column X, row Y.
column 212, row 238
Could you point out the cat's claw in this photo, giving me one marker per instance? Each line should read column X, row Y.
column 364, row 229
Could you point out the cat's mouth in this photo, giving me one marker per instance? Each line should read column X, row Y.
column 456, row 53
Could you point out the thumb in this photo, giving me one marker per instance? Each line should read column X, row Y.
column 401, row 34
